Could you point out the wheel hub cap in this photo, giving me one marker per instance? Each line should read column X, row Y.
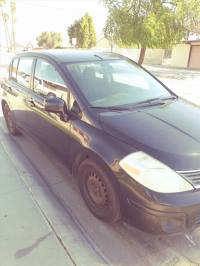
column 97, row 189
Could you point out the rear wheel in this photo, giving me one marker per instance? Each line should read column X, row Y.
column 98, row 191
column 10, row 121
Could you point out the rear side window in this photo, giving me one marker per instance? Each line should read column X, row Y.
column 24, row 71
column 14, row 69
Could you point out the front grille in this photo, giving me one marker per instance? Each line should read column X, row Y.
column 192, row 176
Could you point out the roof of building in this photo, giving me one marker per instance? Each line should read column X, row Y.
column 192, row 41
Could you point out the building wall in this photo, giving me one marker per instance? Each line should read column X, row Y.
column 154, row 56
column 102, row 43
column 180, row 55
column 195, row 57
column 132, row 53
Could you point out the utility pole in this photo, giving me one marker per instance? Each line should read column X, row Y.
column 1, row 25
column 4, row 14
column 13, row 22
column 5, row 24
column 8, row 20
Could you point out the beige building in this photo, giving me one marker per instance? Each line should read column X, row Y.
column 186, row 55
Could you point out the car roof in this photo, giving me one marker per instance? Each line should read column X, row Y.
column 73, row 55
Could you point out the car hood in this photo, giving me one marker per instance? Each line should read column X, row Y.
column 170, row 133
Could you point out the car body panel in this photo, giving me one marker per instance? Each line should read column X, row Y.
column 170, row 139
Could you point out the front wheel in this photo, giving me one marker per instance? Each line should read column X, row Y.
column 98, row 191
column 10, row 121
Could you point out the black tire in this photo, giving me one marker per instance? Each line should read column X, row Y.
column 10, row 121
column 98, row 191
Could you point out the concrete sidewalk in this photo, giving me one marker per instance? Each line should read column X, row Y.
column 35, row 228
column 25, row 236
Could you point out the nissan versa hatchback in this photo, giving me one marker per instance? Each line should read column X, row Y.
column 133, row 145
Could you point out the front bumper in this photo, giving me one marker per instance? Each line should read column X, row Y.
column 156, row 222
column 159, row 213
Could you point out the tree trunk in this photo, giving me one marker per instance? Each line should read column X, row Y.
column 111, row 47
column 142, row 54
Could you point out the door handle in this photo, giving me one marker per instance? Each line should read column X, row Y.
column 6, row 87
column 9, row 89
column 38, row 104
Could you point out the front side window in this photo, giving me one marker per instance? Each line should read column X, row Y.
column 47, row 80
column 115, row 83
column 24, row 71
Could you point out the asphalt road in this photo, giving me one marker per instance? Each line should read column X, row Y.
column 184, row 82
column 81, row 239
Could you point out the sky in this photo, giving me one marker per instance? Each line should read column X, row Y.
column 35, row 16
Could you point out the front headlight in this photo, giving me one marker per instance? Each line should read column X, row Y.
column 153, row 174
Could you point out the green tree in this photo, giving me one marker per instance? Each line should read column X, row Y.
column 152, row 23
column 110, row 32
column 84, row 32
column 2, row 2
column 49, row 39
column 189, row 13
column 74, row 31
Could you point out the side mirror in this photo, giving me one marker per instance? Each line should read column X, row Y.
column 54, row 105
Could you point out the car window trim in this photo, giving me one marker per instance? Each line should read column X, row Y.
column 33, row 73
column 75, row 100
column 11, row 70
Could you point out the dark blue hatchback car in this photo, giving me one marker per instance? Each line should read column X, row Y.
column 132, row 144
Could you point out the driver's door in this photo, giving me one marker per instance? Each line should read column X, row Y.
column 48, row 127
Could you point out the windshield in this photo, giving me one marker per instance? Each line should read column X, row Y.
column 115, row 83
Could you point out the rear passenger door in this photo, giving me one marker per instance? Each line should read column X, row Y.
column 19, row 87
column 48, row 127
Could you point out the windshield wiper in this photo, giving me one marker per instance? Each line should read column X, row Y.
column 110, row 108
column 155, row 101
column 171, row 97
